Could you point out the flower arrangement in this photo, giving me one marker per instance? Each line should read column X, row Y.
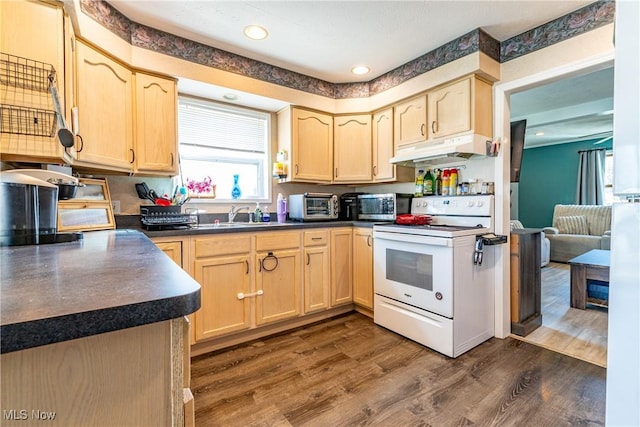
column 201, row 187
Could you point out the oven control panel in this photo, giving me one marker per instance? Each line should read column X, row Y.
column 480, row 205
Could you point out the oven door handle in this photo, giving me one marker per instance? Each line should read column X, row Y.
column 412, row 238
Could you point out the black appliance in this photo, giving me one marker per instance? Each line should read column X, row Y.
column 29, row 211
column 348, row 207
column 518, row 130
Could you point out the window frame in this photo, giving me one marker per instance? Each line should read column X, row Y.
column 263, row 171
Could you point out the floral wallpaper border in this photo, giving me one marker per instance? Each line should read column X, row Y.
column 580, row 21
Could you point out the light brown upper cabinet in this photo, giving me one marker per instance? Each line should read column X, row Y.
column 32, row 43
column 105, row 111
column 127, row 118
column 383, row 150
column 409, row 121
column 308, row 138
column 155, row 144
column 352, row 148
column 460, row 107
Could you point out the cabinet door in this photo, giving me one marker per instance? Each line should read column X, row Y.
column 32, row 31
column 382, row 142
column 278, row 277
column 352, row 148
column 363, row 267
column 222, row 311
column 156, row 141
column 312, row 146
column 105, row 112
column 172, row 249
column 341, row 266
column 450, row 109
column 316, row 278
column 409, row 121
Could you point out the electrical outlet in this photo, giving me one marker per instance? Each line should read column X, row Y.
column 115, row 204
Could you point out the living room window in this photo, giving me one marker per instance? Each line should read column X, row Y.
column 218, row 141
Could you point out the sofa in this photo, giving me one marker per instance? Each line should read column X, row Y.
column 544, row 242
column 577, row 229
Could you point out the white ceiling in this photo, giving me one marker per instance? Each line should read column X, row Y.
column 573, row 109
column 325, row 39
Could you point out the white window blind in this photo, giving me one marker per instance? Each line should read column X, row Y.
column 211, row 125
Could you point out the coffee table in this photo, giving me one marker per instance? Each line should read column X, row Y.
column 593, row 265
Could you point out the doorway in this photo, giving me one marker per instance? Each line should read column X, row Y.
column 555, row 273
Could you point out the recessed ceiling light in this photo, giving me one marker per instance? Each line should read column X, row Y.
column 230, row 96
column 255, row 32
column 360, row 69
column 539, row 133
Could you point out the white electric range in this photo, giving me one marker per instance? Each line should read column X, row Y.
column 434, row 283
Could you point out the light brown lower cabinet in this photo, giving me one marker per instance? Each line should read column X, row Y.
column 316, row 270
column 130, row 377
column 223, row 265
column 277, row 276
column 363, row 267
column 251, row 280
column 341, row 266
column 173, row 248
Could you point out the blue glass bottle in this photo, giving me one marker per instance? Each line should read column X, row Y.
column 235, row 191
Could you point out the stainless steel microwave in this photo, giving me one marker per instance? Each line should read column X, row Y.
column 383, row 207
column 313, row 207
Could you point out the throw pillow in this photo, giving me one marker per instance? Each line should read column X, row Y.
column 515, row 225
column 576, row 224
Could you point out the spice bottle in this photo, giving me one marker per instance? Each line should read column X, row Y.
column 438, row 181
column 419, row 183
column 428, row 183
column 453, row 181
column 445, row 182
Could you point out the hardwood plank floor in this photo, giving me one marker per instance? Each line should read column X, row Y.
column 571, row 331
column 347, row 371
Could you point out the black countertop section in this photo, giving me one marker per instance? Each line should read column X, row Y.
column 108, row 281
column 133, row 222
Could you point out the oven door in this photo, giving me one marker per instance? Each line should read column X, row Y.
column 415, row 270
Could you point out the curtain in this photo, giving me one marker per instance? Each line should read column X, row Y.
column 590, row 190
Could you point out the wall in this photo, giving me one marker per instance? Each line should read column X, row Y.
column 549, row 177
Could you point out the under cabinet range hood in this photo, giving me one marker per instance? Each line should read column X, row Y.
column 443, row 150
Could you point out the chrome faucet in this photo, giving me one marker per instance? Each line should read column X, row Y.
column 233, row 212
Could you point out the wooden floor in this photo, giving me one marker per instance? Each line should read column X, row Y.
column 347, row 371
column 571, row 331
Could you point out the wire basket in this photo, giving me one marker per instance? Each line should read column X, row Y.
column 27, row 121
column 26, row 73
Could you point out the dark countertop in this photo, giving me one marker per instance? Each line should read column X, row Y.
column 108, row 281
column 133, row 222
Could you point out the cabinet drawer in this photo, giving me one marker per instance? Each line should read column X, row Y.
column 315, row 238
column 273, row 241
column 227, row 245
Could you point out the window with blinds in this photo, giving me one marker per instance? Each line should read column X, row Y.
column 218, row 141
